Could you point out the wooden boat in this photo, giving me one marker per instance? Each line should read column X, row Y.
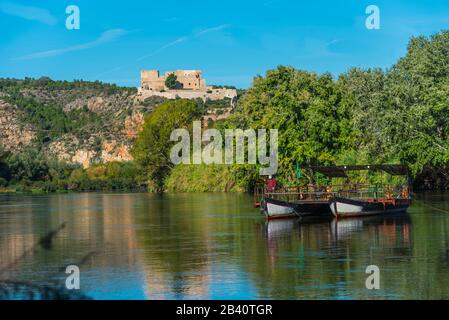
column 346, row 207
column 295, row 201
column 275, row 208
column 358, row 201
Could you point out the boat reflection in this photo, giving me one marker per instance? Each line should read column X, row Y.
column 385, row 232
column 326, row 258
column 389, row 227
column 280, row 227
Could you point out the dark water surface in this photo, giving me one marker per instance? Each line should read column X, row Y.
column 216, row 246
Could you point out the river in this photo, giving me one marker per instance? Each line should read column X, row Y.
column 217, row 246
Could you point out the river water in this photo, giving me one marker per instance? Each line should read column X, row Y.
column 217, row 246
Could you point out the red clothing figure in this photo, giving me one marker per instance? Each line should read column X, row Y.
column 271, row 184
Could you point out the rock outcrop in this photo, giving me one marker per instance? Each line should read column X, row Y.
column 104, row 129
column 14, row 133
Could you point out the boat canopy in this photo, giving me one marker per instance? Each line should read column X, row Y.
column 340, row 171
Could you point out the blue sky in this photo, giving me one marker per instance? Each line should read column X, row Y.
column 231, row 41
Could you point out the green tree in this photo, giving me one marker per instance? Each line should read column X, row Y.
column 418, row 125
column 369, row 104
column 402, row 114
column 28, row 165
column 5, row 173
column 171, row 81
column 310, row 111
column 152, row 147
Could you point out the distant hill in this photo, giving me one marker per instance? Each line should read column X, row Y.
column 77, row 121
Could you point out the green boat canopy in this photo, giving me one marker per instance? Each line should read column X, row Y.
column 340, row 171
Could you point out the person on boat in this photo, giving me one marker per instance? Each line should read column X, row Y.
column 271, row 183
column 405, row 193
column 328, row 192
column 388, row 193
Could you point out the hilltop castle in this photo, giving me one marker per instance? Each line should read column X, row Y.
column 186, row 80
column 189, row 85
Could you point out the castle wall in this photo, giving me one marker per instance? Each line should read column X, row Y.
column 218, row 94
column 192, row 86
column 188, row 80
column 150, row 80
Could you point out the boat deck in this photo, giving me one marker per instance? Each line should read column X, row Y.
column 294, row 195
column 348, row 198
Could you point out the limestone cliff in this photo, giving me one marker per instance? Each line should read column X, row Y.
column 86, row 123
column 14, row 134
column 79, row 122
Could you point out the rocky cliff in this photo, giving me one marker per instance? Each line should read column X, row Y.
column 78, row 122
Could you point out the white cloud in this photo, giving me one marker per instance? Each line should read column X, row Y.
column 28, row 13
column 319, row 48
column 183, row 39
column 168, row 45
column 213, row 29
column 105, row 37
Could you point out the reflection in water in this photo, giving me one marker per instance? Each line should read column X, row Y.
column 280, row 228
column 189, row 246
column 332, row 254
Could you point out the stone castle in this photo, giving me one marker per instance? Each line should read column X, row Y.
column 189, row 85
column 186, row 80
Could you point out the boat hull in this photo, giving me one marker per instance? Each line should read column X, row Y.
column 344, row 207
column 274, row 208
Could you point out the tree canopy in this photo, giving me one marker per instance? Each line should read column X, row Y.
column 152, row 147
column 402, row 114
column 309, row 110
column 398, row 115
column 171, row 81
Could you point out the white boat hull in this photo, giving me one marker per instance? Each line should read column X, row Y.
column 277, row 211
column 275, row 208
column 342, row 207
column 345, row 208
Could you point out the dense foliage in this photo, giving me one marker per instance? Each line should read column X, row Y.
column 32, row 171
column 203, row 178
column 171, row 81
column 402, row 114
column 310, row 111
column 49, row 84
column 152, row 147
column 399, row 115
column 50, row 120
